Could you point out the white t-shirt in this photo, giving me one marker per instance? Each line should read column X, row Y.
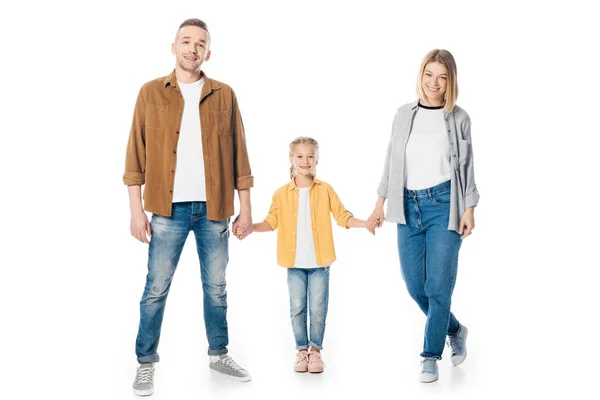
column 190, row 182
column 427, row 150
column 305, row 244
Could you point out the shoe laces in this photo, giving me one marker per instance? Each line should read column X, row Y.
column 144, row 375
column 302, row 356
column 228, row 361
column 314, row 356
column 429, row 366
column 455, row 344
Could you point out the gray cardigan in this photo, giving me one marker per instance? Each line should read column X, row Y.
column 463, row 193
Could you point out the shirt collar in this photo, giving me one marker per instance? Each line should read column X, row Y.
column 292, row 184
column 209, row 84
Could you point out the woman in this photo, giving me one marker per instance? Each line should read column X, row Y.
column 430, row 187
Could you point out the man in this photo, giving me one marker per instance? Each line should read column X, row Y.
column 187, row 146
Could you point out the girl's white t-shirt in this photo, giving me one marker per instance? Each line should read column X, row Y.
column 305, row 244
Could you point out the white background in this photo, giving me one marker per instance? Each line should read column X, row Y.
column 72, row 276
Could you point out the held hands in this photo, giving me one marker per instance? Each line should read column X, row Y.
column 240, row 233
column 376, row 219
column 370, row 226
column 242, row 226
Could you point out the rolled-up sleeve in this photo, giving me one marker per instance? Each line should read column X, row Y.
column 242, row 173
column 273, row 216
column 135, row 157
column 340, row 214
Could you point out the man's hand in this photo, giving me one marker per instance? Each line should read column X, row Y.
column 244, row 222
column 140, row 226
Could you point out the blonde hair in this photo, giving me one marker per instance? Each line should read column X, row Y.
column 445, row 58
column 303, row 140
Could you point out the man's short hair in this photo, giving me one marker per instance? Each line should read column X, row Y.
column 194, row 22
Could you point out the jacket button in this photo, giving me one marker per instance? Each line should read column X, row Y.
column 170, row 190
column 177, row 133
column 173, row 170
column 174, row 151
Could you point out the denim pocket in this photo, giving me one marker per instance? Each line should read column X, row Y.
column 441, row 199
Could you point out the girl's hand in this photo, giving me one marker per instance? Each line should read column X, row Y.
column 239, row 232
column 377, row 217
column 467, row 223
column 370, row 226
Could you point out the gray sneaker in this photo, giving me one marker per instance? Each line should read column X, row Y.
column 458, row 344
column 429, row 370
column 226, row 366
column 144, row 380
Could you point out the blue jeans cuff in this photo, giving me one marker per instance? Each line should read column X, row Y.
column 301, row 347
column 457, row 332
column 217, row 352
column 430, row 355
column 148, row 359
column 316, row 346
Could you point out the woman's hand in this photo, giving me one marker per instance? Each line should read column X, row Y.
column 377, row 216
column 467, row 223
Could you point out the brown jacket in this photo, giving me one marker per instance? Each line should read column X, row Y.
column 152, row 148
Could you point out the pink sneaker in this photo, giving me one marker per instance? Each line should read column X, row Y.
column 301, row 364
column 315, row 362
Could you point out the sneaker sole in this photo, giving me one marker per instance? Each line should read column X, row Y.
column 147, row 392
column 233, row 378
column 428, row 379
column 461, row 359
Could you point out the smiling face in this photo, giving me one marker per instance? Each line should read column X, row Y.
column 304, row 159
column 434, row 83
column 191, row 48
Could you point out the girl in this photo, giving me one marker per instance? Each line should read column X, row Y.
column 428, row 179
column 301, row 209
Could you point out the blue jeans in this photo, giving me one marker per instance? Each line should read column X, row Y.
column 308, row 285
column 168, row 237
column 429, row 261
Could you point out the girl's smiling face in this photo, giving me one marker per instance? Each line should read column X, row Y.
column 304, row 160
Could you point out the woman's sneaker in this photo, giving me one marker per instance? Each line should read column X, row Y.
column 458, row 344
column 315, row 362
column 143, row 385
column 301, row 364
column 429, row 370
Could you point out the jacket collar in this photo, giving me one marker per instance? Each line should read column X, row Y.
column 209, row 84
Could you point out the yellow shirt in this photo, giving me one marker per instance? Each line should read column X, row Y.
column 284, row 214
